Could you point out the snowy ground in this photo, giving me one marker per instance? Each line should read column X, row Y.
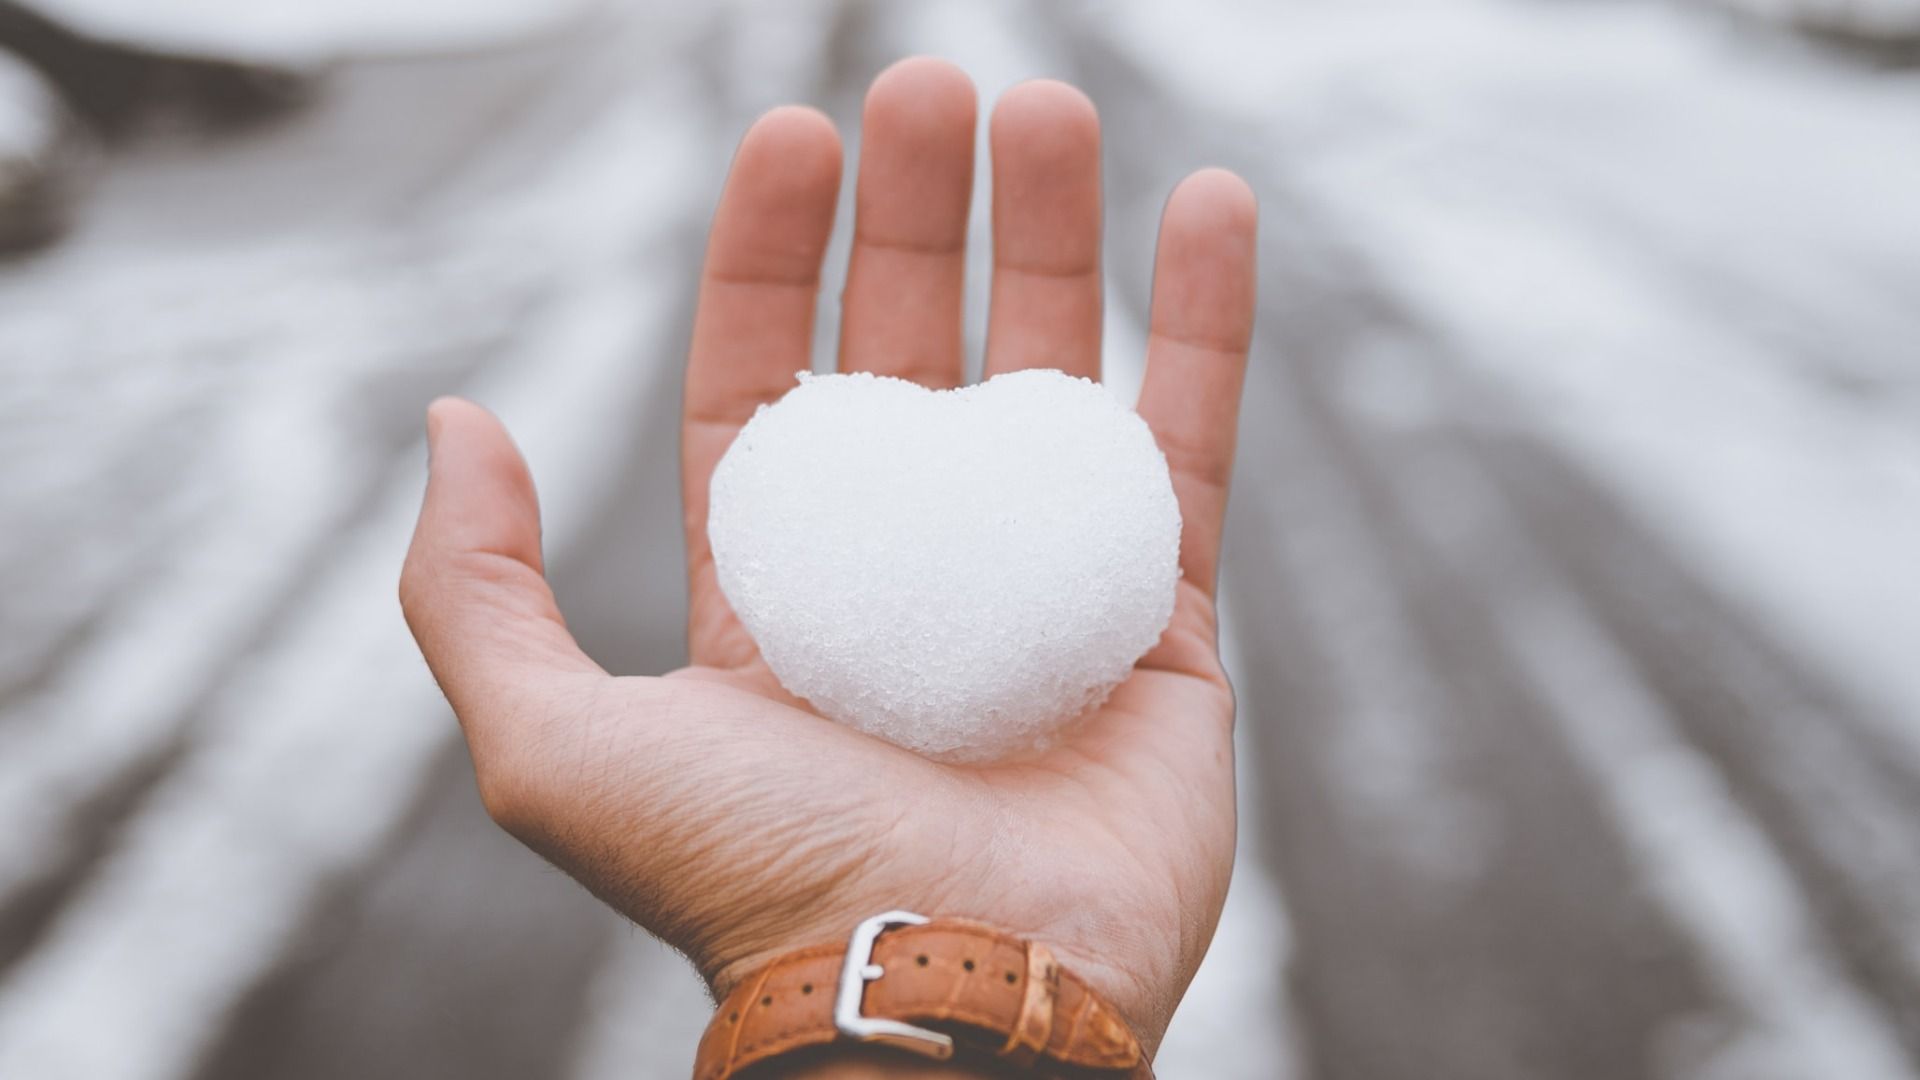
column 1572, row 588
column 314, row 31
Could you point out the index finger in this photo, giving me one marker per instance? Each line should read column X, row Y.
column 1200, row 328
column 753, row 329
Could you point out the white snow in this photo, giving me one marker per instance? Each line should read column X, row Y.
column 1678, row 256
column 311, row 31
column 313, row 753
column 959, row 571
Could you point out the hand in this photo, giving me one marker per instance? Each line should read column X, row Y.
column 720, row 812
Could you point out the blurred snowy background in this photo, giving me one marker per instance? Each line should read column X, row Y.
column 1573, row 575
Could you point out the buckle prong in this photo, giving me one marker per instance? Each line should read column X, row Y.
column 859, row 970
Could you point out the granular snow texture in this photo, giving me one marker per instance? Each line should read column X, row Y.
column 961, row 572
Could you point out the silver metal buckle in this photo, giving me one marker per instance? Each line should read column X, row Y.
column 857, row 972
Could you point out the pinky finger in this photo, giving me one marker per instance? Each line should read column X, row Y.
column 1199, row 331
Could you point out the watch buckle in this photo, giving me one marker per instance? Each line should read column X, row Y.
column 857, row 971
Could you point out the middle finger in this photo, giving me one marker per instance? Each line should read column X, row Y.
column 903, row 302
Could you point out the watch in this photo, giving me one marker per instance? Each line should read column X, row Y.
column 938, row 988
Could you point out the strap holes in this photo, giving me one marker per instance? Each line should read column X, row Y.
column 806, row 988
column 1012, row 978
column 733, row 1018
column 767, row 1002
column 921, row 959
column 968, row 964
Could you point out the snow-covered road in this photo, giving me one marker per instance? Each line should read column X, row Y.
column 1572, row 588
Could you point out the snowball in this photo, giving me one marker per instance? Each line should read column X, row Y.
column 960, row 572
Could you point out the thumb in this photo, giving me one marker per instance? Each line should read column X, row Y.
column 473, row 589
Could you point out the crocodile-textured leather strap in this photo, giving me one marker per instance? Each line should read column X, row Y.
column 998, row 996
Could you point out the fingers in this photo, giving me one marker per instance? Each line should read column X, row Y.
column 1046, row 231
column 1201, row 324
column 472, row 589
column 753, row 329
column 902, row 305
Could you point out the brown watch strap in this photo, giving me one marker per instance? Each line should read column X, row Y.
column 995, row 994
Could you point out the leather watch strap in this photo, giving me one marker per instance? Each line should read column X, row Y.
column 996, row 995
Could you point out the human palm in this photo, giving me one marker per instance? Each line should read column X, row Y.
column 721, row 812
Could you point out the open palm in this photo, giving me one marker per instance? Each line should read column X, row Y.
column 719, row 811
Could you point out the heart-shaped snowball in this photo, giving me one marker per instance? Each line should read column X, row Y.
column 962, row 571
